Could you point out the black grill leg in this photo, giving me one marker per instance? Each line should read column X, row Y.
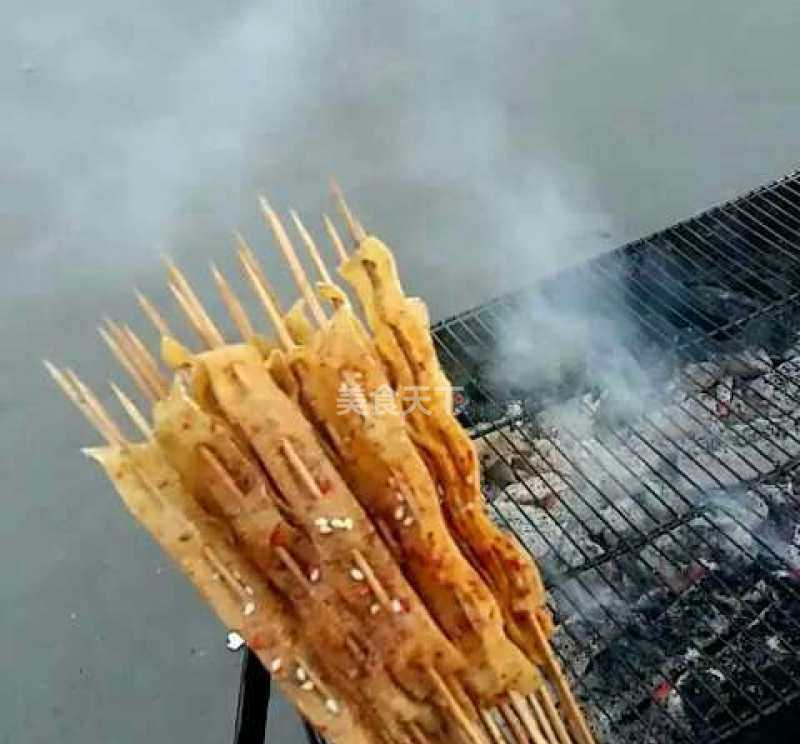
column 251, row 713
column 312, row 736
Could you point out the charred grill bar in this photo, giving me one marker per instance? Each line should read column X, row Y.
column 653, row 470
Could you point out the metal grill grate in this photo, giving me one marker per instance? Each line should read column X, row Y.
column 665, row 521
column 662, row 532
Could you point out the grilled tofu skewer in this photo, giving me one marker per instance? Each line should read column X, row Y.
column 348, row 544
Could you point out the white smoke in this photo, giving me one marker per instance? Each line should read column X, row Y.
column 576, row 349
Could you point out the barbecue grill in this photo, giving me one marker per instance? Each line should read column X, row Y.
column 652, row 471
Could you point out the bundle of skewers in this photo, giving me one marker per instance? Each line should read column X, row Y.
column 339, row 530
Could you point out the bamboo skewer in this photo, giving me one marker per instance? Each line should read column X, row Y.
column 153, row 315
column 355, row 649
column 576, row 721
column 232, row 488
column 459, row 715
column 388, row 537
column 193, row 308
column 416, row 734
column 145, row 361
column 134, row 414
column 512, row 722
column 322, row 269
column 338, row 245
column 94, row 405
column 520, row 705
column 354, row 227
column 374, row 583
column 291, row 564
column 194, row 321
column 261, row 289
column 206, row 331
column 135, row 358
column 501, row 726
column 461, row 694
column 110, row 434
column 491, row 726
column 243, row 246
column 220, row 568
column 300, row 278
column 547, row 709
column 300, row 469
column 233, row 305
column 122, row 357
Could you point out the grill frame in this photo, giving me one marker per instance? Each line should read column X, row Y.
column 753, row 241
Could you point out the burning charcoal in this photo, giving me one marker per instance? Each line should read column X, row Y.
column 545, row 489
column 729, row 520
column 724, row 394
column 791, row 366
column 499, row 475
column 703, row 375
column 748, row 364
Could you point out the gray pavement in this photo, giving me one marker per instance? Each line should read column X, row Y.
column 488, row 143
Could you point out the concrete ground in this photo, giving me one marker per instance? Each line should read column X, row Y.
column 489, row 145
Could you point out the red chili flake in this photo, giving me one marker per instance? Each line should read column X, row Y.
column 363, row 590
column 661, row 693
column 696, row 572
column 161, row 484
column 277, row 538
column 186, row 425
column 257, row 641
column 324, row 485
column 723, row 409
column 548, row 502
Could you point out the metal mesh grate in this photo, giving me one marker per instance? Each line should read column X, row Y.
column 652, row 470
column 666, row 523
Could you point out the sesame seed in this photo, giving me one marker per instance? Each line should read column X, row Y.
column 249, row 590
column 249, row 608
column 347, row 523
column 301, row 674
column 276, row 665
column 234, row 641
column 357, row 574
column 408, row 521
column 307, row 686
column 313, row 575
column 374, row 609
column 337, row 523
column 215, row 576
column 399, row 513
column 332, row 706
column 325, row 529
column 397, row 606
column 319, row 521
